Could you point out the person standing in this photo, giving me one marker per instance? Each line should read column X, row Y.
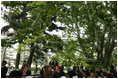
column 57, row 67
column 4, row 69
column 68, row 69
column 112, row 66
column 25, row 67
column 56, row 63
column 61, row 73
column 82, row 66
column 113, row 70
column 74, row 67
column 77, row 68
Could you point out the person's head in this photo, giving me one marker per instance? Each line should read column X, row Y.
column 41, row 72
column 79, row 74
column 61, row 67
column 4, row 63
column 61, row 73
column 71, row 74
column 20, row 73
column 89, row 69
column 109, row 75
column 14, row 74
column 28, row 73
column 113, row 63
column 92, row 75
column 81, row 70
column 55, row 74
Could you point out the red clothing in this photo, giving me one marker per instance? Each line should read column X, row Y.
column 57, row 69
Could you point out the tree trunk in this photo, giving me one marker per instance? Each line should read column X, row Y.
column 108, row 53
column 100, row 56
column 17, row 60
column 79, row 39
column 100, row 42
column 100, row 53
column 110, row 44
column 36, row 68
column 3, row 53
column 107, row 59
column 31, row 54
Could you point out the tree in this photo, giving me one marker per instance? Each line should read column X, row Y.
column 97, row 19
column 89, row 26
column 33, row 28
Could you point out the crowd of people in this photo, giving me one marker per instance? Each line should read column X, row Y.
column 58, row 72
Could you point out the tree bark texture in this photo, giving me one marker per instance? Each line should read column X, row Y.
column 79, row 39
column 17, row 60
column 31, row 54
column 3, row 54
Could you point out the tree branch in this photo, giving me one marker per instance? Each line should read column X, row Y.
column 79, row 39
column 82, row 59
column 36, row 18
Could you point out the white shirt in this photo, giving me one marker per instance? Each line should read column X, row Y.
column 63, row 77
column 29, row 77
column 75, row 77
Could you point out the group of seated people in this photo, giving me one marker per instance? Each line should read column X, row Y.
column 74, row 72
column 19, row 74
column 82, row 72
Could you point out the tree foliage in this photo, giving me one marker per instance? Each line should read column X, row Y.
column 89, row 26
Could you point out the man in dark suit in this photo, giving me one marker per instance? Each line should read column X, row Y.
column 81, row 65
column 74, row 67
column 3, row 69
column 77, row 68
column 112, row 66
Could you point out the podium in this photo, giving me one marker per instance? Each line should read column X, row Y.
column 48, row 71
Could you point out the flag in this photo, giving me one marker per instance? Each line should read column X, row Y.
column 26, row 68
